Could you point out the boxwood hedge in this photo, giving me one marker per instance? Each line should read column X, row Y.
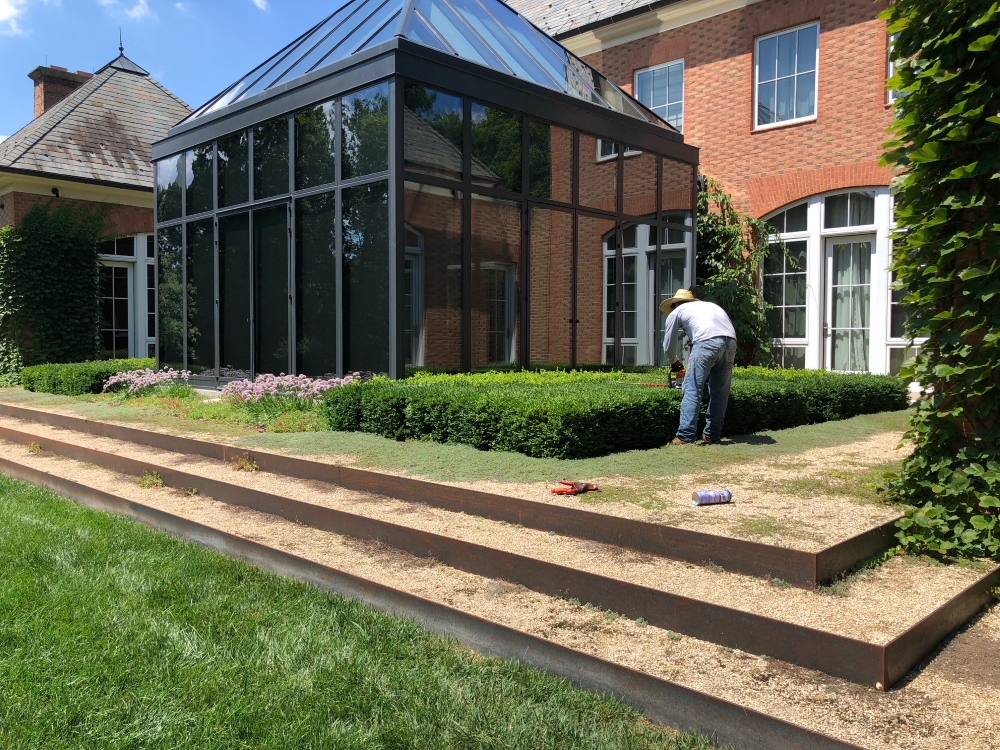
column 579, row 415
column 78, row 378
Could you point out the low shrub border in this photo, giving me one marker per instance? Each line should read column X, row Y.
column 78, row 378
column 583, row 415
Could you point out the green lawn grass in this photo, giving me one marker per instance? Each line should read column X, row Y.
column 116, row 636
column 452, row 462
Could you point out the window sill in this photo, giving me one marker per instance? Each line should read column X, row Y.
column 782, row 125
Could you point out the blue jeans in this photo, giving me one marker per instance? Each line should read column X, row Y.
column 711, row 362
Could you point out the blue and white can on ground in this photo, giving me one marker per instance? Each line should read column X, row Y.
column 712, row 497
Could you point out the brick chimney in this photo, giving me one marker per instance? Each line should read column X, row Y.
column 53, row 84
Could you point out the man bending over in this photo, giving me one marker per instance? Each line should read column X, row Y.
column 711, row 331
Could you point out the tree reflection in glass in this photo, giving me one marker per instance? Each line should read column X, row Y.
column 315, row 146
column 270, row 159
column 201, row 297
column 432, row 132
column 198, row 180
column 496, row 148
column 234, row 169
column 366, row 277
column 365, row 134
column 316, row 285
column 168, row 188
column 170, row 298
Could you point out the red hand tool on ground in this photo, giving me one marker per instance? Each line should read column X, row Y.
column 574, row 488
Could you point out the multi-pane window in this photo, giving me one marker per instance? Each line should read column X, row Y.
column 849, row 210
column 785, row 71
column 785, row 290
column 851, row 299
column 114, row 311
column 413, row 315
column 891, row 94
column 609, row 150
column 501, row 333
column 900, row 354
column 794, row 219
column 662, row 90
column 789, row 357
column 897, row 315
column 123, row 247
column 629, row 301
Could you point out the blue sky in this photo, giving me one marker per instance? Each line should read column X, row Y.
column 193, row 47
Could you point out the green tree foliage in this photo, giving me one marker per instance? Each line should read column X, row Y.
column 731, row 251
column 947, row 260
column 49, row 288
column 366, row 132
column 496, row 144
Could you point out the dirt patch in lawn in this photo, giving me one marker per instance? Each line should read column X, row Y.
column 942, row 705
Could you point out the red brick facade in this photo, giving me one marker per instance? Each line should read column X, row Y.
column 121, row 220
column 767, row 169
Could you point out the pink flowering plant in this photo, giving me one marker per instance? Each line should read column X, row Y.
column 166, row 382
column 267, row 397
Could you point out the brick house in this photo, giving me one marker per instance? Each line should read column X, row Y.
column 787, row 101
column 90, row 143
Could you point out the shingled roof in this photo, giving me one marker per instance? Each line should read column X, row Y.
column 102, row 133
column 564, row 18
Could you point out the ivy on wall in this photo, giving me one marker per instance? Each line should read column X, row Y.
column 731, row 251
column 947, row 260
column 49, row 288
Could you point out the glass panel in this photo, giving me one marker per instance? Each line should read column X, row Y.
column 496, row 263
column 433, row 217
column 767, row 59
column 842, row 307
column 270, row 252
column 432, row 132
column 836, row 211
column 897, row 324
column 864, row 261
column 168, row 188
column 808, row 43
column 795, row 289
column 598, row 179
column 678, row 187
column 387, row 32
column 629, row 296
column 114, row 312
column 420, row 32
column 316, row 285
column 170, row 300
column 860, row 305
column 773, row 289
column 150, row 246
column 368, row 28
column 270, row 159
column 775, row 322
column 234, row 169
column 671, row 279
column 842, row 350
column 797, row 252
column 797, row 218
column 786, row 54
column 766, row 104
column 795, row 322
column 550, row 161
column 774, row 262
column 366, row 278
column 640, row 184
column 201, row 297
column 365, row 132
column 591, row 234
column 501, row 42
column 795, row 357
column 842, row 264
column 316, row 146
column 151, row 301
column 234, row 296
column 610, row 297
column 862, row 209
column 675, row 115
column 551, row 280
column 676, row 81
column 629, row 355
column 198, row 180
column 859, row 351
column 786, row 99
column 442, row 19
column 496, row 148
column 805, row 95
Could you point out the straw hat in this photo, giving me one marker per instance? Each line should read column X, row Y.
column 681, row 295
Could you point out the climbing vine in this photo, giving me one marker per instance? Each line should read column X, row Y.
column 49, row 288
column 947, row 261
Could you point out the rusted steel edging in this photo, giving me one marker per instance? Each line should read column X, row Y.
column 837, row 655
column 661, row 701
column 796, row 567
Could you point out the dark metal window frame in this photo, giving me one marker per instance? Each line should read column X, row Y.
column 431, row 68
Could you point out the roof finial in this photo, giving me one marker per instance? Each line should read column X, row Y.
column 121, row 46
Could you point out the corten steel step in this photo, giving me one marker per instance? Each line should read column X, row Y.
column 796, row 567
column 661, row 701
column 837, row 655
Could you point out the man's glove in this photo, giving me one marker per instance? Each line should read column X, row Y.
column 677, row 366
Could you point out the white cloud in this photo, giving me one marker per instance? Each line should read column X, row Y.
column 181, row 7
column 10, row 11
column 139, row 11
column 261, row 4
column 3, row 138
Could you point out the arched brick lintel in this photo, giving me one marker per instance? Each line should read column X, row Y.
column 770, row 193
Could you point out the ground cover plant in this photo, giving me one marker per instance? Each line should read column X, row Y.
column 573, row 415
column 116, row 636
column 78, row 378
column 947, row 260
column 269, row 398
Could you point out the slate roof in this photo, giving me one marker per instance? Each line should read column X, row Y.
column 563, row 18
column 434, row 153
column 103, row 132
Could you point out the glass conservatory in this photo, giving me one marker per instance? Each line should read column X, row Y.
column 419, row 184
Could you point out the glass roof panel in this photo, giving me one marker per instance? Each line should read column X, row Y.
column 486, row 32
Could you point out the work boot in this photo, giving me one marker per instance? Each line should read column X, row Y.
column 678, row 441
column 706, row 439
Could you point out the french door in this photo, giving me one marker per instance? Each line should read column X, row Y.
column 848, row 303
column 117, row 314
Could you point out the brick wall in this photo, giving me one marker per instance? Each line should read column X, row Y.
column 121, row 220
column 767, row 169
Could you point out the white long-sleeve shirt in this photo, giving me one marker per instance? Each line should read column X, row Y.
column 700, row 320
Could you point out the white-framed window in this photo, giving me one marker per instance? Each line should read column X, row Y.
column 891, row 94
column 661, row 88
column 786, row 68
column 609, row 150
column 501, row 288
column 853, row 209
column 150, row 295
column 413, row 300
column 784, row 282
